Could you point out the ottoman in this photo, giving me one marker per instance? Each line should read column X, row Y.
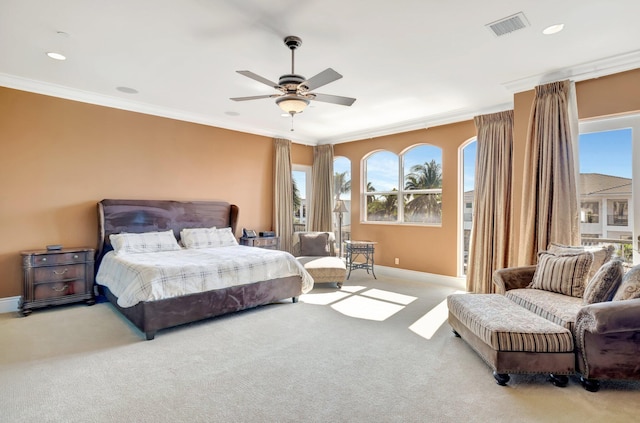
column 510, row 338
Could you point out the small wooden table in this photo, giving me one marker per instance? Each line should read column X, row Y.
column 362, row 250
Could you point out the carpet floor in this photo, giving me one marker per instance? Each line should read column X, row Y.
column 374, row 351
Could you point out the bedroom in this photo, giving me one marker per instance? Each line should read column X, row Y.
column 65, row 156
column 59, row 156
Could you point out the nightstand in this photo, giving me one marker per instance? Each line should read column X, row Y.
column 270, row 243
column 53, row 277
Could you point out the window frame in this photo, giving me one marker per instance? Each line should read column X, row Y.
column 400, row 193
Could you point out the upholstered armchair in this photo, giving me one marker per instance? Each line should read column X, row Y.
column 317, row 253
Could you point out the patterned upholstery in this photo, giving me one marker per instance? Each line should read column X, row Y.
column 562, row 273
column 322, row 268
column 506, row 326
column 630, row 285
column 604, row 283
column 601, row 254
column 558, row 308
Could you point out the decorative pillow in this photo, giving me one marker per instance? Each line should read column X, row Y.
column 630, row 286
column 208, row 238
column 562, row 273
column 314, row 244
column 601, row 254
column 604, row 283
column 147, row 242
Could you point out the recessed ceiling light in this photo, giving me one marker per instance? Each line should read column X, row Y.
column 56, row 56
column 553, row 29
column 127, row 90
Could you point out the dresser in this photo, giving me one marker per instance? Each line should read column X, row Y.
column 53, row 277
column 270, row 243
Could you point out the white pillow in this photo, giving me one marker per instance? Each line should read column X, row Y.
column 147, row 242
column 208, row 238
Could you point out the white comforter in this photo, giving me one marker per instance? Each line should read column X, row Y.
column 155, row 276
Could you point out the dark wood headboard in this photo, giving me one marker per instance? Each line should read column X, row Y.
column 136, row 216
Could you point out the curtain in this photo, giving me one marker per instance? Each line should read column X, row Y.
column 550, row 211
column 491, row 228
column 320, row 215
column 283, row 194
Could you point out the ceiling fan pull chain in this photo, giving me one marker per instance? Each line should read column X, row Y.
column 292, row 122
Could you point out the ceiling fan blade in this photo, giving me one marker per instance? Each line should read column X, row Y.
column 255, row 97
column 335, row 99
column 258, row 78
column 323, row 78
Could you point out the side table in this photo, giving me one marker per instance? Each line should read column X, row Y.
column 362, row 251
column 269, row 243
column 53, row 277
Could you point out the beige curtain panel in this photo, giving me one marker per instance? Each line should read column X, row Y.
column 550, row 211
column 320, row 215
column 491, row 227
column 283, row 194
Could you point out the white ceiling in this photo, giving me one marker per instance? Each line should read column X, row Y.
column 410, row 63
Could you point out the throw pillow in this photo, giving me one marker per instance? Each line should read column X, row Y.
column 601, row 254
column 630, row 286
column 147, row 242
column 562, row 273
column 604, row 283
column 208, row 238
column 314, row 244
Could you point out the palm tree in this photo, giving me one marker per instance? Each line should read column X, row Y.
column 424, row 176
column 297, row 201
column 341, row 185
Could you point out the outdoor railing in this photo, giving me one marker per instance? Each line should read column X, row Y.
column 613, row 220
column 623, row 247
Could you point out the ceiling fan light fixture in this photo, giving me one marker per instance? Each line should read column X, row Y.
column 292, row 103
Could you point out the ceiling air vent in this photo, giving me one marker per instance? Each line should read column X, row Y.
column 508, row 25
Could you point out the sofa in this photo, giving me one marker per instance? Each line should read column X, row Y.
column 591, row 295
column 317, row 253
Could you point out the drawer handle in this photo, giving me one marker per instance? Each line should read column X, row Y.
column 75, row 256
column 60, row 289
column 44, row 259
column 60, row 273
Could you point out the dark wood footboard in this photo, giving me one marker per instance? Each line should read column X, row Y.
column 152, row 316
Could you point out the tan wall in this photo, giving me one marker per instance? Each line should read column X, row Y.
column 420, row 248
column 59, row 157
column 600, row 97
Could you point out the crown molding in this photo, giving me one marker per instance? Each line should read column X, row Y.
column 74, row 94
column 594, row 69
column 454, row 116
column 589, row 70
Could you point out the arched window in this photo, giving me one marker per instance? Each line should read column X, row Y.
column 405, row 188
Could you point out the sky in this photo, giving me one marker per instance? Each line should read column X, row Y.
column 607, row 152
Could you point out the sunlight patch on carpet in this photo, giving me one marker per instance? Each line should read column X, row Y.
column 389, row 296
column 367, row 308
column 427, row 325
column 323, row 298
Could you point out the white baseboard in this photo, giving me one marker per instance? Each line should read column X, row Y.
column 9, row 304
column 452, row 281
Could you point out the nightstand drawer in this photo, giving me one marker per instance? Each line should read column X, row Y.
column 55, row 277
column 44, row 291
column 270, row 243
column 58, row 273
column 265, row 242
column 60, row 258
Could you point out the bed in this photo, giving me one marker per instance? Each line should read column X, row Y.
column 152, row 311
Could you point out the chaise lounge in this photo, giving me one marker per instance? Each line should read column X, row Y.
column 585, row 293
column 316, row 252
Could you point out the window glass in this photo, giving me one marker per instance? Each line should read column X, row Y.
column 404, row 189
column 606, row 189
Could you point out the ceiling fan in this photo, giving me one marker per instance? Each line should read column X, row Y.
column 295, row 91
